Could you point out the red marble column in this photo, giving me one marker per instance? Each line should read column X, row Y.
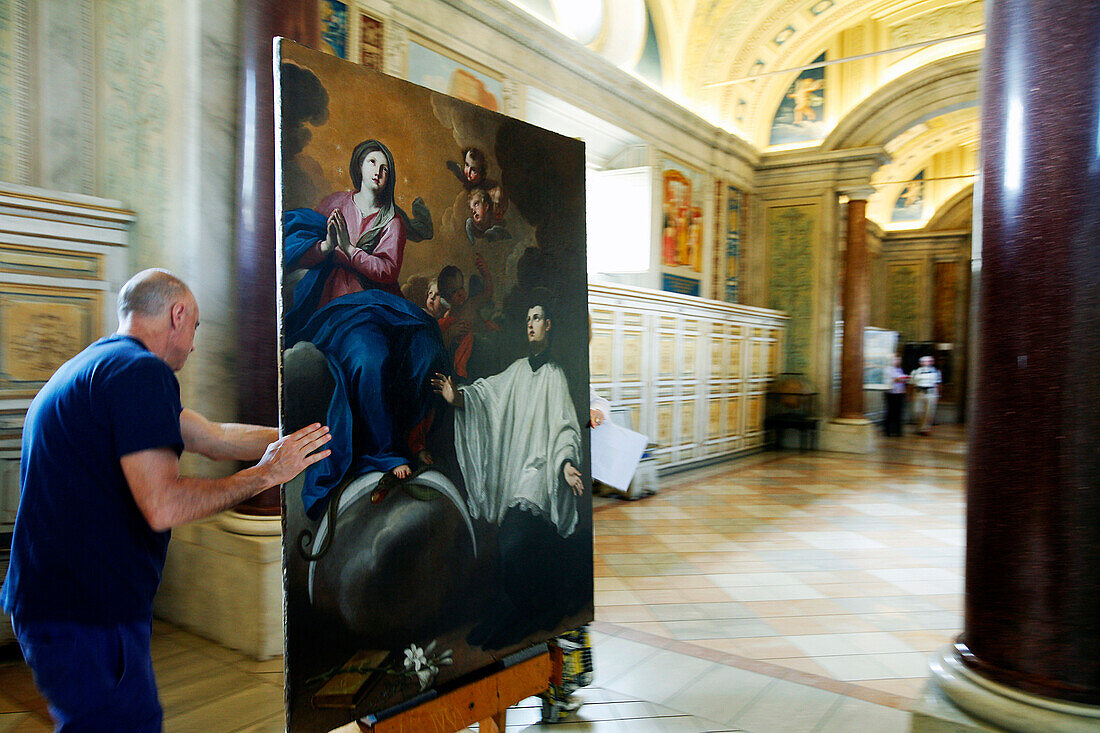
column 856, row 301
column 257, row 356
column 1032, row 618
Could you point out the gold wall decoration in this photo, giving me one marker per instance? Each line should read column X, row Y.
column 715, row 417
column 719, row 356
column 733, row 416
column 42, row 327
column 687, row 423
column 600, row 352
column 669, row 367
column 632, row 356
column 24, row 260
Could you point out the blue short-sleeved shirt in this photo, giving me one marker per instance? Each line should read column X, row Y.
column 82, row 550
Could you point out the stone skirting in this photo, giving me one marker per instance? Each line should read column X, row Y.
column 226, row 587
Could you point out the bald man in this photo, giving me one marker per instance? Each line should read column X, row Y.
column 100, row 491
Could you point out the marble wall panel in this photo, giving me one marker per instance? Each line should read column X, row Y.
column 791, row 263
column 945, row 286
column 8, row 85
column 903, row 310
column 63, row 134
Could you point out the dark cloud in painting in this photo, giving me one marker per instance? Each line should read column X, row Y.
column 304, row 103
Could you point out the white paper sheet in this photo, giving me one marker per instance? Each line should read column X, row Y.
column 616, row 452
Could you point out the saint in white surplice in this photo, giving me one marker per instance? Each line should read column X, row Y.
column 518, row 430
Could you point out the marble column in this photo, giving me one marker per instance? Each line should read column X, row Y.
column 257, row 355
column 856, row 302
column 850, row 431
column 1029, row 654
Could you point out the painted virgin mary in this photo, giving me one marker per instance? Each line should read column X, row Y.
column 380, row 348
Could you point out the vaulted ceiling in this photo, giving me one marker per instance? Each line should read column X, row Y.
column 902, row 75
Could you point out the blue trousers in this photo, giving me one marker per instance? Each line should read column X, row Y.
column 96, row 678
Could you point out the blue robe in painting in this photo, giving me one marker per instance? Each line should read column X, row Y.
column 382, row 351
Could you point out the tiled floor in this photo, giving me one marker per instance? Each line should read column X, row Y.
column 783, row 593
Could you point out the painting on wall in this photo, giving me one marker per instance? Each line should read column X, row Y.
column 370, row 42
column 433, row 313
column 435, row 70
column 334, row 27
column 910, row 203
column 801, row 113
column 734, row 235
column 682, row 233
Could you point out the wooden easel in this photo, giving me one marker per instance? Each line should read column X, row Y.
column 484, row 701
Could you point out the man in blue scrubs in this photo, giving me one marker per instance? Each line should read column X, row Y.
column 100, row 491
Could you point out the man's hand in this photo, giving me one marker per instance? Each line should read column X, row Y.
column 166, row 499
column 290, row 455
column 573, row 477
column 445, row 387
column 596, row 417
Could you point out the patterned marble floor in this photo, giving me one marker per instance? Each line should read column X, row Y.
column 782, row 593
column 838, row 572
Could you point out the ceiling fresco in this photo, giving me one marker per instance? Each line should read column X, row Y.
column 736, row 63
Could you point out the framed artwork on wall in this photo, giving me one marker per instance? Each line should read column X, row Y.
column 682, row 234
column 433, row 313
column 436, row 68
column 334, row 27
column 371, row 45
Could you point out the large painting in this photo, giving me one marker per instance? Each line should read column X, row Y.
column 434, row 315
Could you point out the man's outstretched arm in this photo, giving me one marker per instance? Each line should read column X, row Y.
column 224, row 441
column 167, row 499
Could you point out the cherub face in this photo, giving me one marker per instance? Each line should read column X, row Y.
column 376, row 171
column 434, row 303
column 538, row 325
column 472, row 169
column 481, row 209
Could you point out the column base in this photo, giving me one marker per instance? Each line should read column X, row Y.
column 847, row 435
column 225, row 585
column 959, row 699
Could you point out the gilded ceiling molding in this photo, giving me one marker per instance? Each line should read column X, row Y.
column 954, row 213
column 897, row 105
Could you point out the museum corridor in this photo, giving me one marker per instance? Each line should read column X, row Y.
column 786, row 592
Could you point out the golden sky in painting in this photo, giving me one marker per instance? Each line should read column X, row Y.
column 364, row 105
